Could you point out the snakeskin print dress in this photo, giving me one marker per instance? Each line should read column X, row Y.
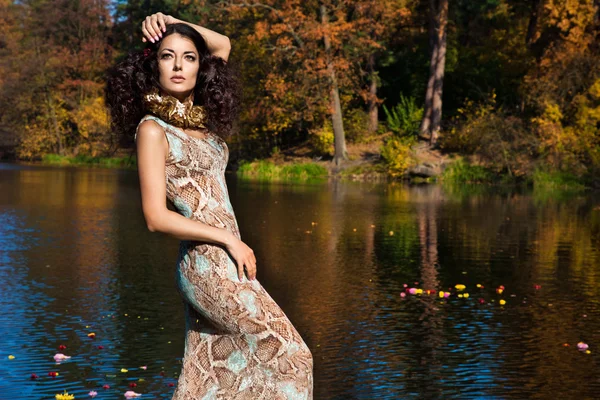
column 238, row 342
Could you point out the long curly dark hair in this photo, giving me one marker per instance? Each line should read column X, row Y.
column 128, row 81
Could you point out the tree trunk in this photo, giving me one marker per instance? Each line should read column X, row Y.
column 436, row 117
column 533, row 22
column 432, row 116
column 373, row 109
column 426, row 122
column 51, row 109
column 336, row 116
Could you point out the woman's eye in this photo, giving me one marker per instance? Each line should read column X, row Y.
column 191, row 58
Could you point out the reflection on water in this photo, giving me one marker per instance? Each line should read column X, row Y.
column 76, row 258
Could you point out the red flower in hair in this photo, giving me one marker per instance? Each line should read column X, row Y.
column 147, row 52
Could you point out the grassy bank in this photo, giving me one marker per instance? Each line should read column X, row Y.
column 108, row 162
column 268, row 171
column 462, row 172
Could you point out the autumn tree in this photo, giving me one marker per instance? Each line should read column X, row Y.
column 377, row 24
column 563, row 89
column 56, row 54
column 317, row 52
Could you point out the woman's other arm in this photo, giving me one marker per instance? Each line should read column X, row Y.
column 152, row 150
column 154, row 25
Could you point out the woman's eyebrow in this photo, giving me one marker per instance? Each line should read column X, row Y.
column 185, row 52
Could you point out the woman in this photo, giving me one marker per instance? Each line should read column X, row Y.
column 239, row 344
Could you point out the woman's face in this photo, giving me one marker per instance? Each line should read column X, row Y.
column 177, row 65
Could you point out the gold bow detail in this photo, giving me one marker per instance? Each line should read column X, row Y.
column 184, row 115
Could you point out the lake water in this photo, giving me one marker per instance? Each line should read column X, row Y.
column 76, row 258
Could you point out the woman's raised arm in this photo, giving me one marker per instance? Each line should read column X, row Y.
column 154, row 25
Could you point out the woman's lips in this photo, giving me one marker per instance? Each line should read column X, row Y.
column 177, row 79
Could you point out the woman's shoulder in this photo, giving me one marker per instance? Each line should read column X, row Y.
column 153, row 127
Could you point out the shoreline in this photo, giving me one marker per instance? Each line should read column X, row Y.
column 456, row 171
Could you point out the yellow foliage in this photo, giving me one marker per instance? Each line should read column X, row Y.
column 91, row 118
column 42, row 135
column 396, row 153
column 552, row 113
column 36, row 139
column 322, row 140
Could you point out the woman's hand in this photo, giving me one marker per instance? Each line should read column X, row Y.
column 243, row 255
column 154, row 25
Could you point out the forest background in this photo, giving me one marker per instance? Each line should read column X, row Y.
column 505, row 89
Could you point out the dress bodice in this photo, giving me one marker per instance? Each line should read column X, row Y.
column 195, row 176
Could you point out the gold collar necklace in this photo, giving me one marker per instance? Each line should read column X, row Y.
column 184, row 114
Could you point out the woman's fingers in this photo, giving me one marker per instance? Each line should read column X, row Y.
column 162, row 21
column 251, row 267
column 240, row 267
column 150, row 28
column 155, row 27
column 147, row 35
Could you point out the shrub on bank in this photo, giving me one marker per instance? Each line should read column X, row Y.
column 396, row 153
column 114, row 162
column 267, row 170
column 461, row 171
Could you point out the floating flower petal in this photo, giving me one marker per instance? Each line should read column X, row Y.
column 58, row 357
column 64, row 396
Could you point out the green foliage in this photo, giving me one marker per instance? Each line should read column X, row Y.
column 356, row 121
column 461, row 171
column 500, row 141
column 110, row 162
column 405, row 117
column 556, row 180
column 268, row 171
column 396, row 153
